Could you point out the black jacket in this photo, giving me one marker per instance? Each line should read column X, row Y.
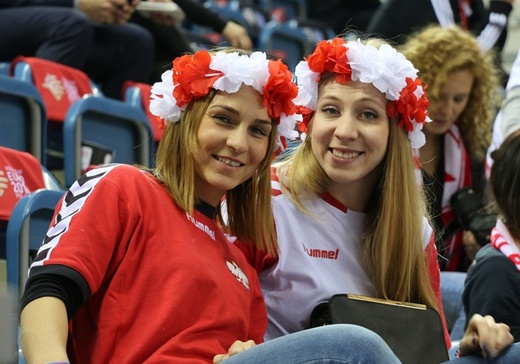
column 396, row 19
column 493, row 288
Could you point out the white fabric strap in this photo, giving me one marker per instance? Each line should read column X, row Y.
column 443, row 12
column 502, row 241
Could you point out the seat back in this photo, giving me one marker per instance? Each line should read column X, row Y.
column 4, row 68
column 199, row 41
column 108, row 124
column 60, row 86
column 23, row 120
column 284, row 40
column 284, row 10
column 138, row 94
column 20, row 174
column 26, row 231
column 316, row 30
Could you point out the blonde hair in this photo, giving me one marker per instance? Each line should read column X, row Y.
column 249, row 211
column 392, row 243
column 437, row 52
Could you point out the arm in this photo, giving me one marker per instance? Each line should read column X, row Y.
column 201, row 15
column 492, row 25
column 108, row 11
column 236, row 34
column 511, row 107
column 492, row 288
column 44, row 330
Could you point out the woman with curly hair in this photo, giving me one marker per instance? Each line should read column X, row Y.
column 462, row 87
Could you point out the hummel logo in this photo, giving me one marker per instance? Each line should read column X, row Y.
column 325, row 254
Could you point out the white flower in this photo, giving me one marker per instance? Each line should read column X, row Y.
column 307, row 86
column 162, row 102
column 237, row 70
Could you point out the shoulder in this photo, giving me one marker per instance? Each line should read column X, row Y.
column 491, row 264
column 114, row 180
column 122, row 174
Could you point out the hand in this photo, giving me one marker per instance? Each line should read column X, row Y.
column 108, row 11
column 237, row 347
column 237, row 36
column 471, row 247
column 162, row 18
column 485, row 336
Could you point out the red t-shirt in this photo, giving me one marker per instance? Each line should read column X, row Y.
column 166, row 286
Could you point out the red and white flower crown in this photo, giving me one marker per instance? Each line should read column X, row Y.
column 385, row 68
column 193, row 76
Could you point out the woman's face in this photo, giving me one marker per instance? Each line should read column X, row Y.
column 233, row 139
column 350, row 135
column 446, row 109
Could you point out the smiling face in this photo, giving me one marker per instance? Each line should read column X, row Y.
column 233, row 140
column 349, row 138
column 446, row 108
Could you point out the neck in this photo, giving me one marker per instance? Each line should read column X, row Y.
column 355, row 196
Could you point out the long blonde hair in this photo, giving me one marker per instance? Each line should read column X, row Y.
column 437, row 52
column 249, row 210
column 392, row 243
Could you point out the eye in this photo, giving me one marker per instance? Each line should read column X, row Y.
column 369, row 115
column 459, row 99
column 331, row 110
column 260, row 131
column 222, row 118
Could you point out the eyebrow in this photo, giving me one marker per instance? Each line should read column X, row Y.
column 236, row 112
column 363, row 99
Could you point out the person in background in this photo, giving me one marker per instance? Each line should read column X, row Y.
column 463, row 84
column 396, row 20
column 493, row 282
column 137, row 265
column 342, row 14
column 508, row 118
column 349, row 214
column 171, row 40
column 463, row 92
column 91, row 35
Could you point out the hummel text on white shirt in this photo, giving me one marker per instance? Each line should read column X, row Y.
column 318, row 253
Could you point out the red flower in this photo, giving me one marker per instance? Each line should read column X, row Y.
column 331, row 57
column 279, row 90
column 306, row 114
column 409, row 107
column 190, row 76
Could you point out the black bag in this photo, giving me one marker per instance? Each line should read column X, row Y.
column 413, row 331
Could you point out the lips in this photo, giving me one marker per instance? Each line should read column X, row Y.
column 229, row 162
column 344, row 155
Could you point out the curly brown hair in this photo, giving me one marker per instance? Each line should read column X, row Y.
column 436, row 52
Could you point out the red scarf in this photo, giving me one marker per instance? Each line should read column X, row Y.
column 501, row 240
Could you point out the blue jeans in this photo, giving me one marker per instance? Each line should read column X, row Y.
column 326, row 344
column 342, row 344
column 510, row 355
column 452, row 286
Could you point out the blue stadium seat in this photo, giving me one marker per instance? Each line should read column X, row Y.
column 23, row 120
column 284, row 10
column 4, row 68
column 26, row 231
column 286, row 41
column 117, row 127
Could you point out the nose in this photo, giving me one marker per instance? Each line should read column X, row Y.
column 346, row 128
column 237, row 139
column 445, row 108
